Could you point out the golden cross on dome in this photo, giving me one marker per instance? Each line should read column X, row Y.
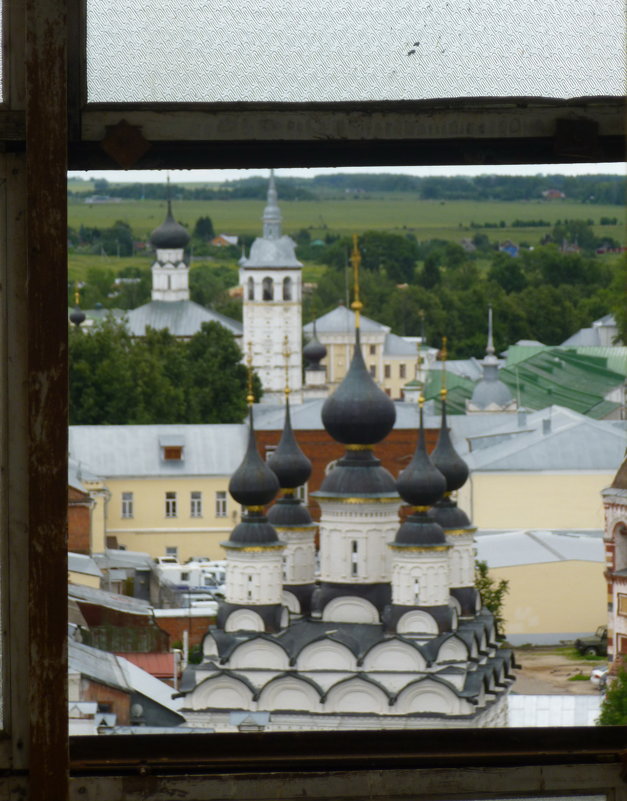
column 250, row 397
column 355, row 261
column 286, row 356
column 77, row 294
column 443, row 358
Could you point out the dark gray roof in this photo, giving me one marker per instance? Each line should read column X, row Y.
column 122, row 603
column 182, row 318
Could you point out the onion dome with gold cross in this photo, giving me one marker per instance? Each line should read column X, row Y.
column 421, row 485
column 455, row 471
column 170, row 235
column 77, row 315
column 314, row 352
column 358, row 414
column 253, row 485
column 292, row 468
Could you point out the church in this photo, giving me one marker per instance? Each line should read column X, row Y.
column 383, row 627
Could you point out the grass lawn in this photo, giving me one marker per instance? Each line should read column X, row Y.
column 426, row 219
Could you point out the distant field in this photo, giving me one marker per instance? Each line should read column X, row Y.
column 426, row 219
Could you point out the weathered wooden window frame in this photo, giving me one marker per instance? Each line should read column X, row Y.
column 46, row 126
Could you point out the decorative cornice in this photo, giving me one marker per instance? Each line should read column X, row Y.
column 399, row 547
column 363, row 499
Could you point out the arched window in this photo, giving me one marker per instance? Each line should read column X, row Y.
column 268, row 289
column 251, row 289
column 287, row 288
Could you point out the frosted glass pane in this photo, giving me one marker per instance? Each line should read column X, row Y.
column 340, row 50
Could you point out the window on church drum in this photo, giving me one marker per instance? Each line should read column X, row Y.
column 251, row 289
column 373, row 370
column 401, row 371
column 195, row 504
column 267, row 289
column 387, row 371
column 127, row 504
column 249, row 591
column 287, row 288
column 170, row 504
column 355, row 558
column 416, row 591
column 221, row 503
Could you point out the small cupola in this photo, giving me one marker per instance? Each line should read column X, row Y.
column 170, row 235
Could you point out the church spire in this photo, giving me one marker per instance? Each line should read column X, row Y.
column 272, row 213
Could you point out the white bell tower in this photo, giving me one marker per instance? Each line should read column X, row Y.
column 271, row 281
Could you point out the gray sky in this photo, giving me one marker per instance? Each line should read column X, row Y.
column 155, row 176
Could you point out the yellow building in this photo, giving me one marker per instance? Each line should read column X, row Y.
column 545, row 471
column 160, row 489
column 390, row 359
column 557, row 590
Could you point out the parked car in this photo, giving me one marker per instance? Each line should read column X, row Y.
column 595, row 644
column 598, row 677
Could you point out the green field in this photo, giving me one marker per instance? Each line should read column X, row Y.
column 426, row 219
column 397, row 213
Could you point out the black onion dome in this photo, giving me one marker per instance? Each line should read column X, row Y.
column 170, row 235
column 314, row 351
column 289, row 512
column 447, row 460
column 421, row 483
column 449, row 515
column 77, row 316
column 288, row 462
column 358, row 412
column 253, row 530
column 420, row 530
column 253, row 483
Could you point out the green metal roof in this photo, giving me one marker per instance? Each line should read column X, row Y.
column 549, row 376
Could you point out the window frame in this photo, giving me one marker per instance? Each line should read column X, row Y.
column 195, row 504
column 127, row 505
column 44, row 80
column 171, row 504
column 221, row 504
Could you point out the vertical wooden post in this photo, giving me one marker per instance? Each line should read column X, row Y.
column 45, row 329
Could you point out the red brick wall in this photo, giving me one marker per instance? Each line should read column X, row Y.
column 394, row 452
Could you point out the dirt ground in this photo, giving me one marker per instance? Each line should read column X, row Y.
column 546, row 671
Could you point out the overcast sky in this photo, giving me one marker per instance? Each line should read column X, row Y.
column 155, row 176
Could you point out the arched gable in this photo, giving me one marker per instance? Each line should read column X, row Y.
column 326, row 654
column 221, row 691
column 244, row 620
column 430, row 695
column 357, row 695
column 350, row 609
column 394, row 654
column 291, row 602
column 209, row 646
column 417, row 621
column 453, row 649
column 290, row 693
column 259, row 653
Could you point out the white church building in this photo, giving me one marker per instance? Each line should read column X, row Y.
column 387, row 631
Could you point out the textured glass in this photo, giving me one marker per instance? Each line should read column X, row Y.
column 340, row 50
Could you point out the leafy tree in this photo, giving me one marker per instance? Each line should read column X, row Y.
column 115, row 379
column 430, row 275
column 215, row 377
column 507, row 273
column 203, row 229
column 619, row 298
column 492, row 594
column 614, row 706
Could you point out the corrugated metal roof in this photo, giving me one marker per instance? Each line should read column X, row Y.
column 528, row 547
column 113, row 558
column 397, row 346
column 122, row 603
column 342, row 320
column 581, row 444
column 134, row 450
column 81, row 563
column 183, row 318
column 159, row 665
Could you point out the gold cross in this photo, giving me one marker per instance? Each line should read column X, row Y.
column 250, row 398
column 286, row 356
column 355, row 261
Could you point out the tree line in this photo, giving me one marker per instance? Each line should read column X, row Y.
column 595, row 189
column 117, row 379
